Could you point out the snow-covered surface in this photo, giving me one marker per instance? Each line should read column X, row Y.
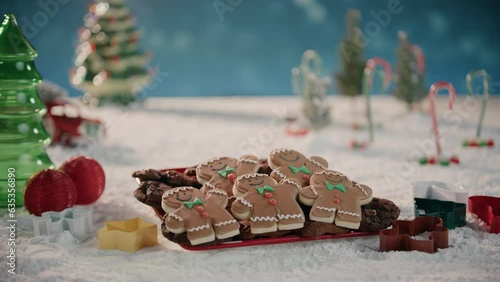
column 181, row 132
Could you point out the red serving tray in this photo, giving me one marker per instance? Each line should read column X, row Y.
column 264, row 241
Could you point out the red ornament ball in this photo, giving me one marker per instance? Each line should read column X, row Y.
column 49, row 190
column 231, row 177
column 88, row 176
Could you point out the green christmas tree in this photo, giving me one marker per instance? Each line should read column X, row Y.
column 109, row 66
column 410, row 76
column 22, row 136
column 350, row 79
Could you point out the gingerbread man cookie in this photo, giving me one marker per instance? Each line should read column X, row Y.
column 288, row 163
column 269, row 205
column 221, row 172
column 335, row 197
column 201, row 215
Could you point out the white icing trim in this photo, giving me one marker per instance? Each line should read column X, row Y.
column 209, row 185
column 279, row 173
column 263, row 218
column 281, row 150
column 175, row 190
column 227, row 222
column 316, row 163
column 216, row 191
column 198, row 228
column 362, row 189
column 211, row 160
column 251, row 175
column 349, row 213
column 289, row 181
column 288, row 216
column 326, row 209
column 315, row 192
column 333, row 174
column 174, row 216
column 249, row 161
column 244, row 202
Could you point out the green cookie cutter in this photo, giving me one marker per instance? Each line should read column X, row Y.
column 452, row 213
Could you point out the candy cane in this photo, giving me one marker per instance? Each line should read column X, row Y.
column 486, row 85
column 432, row 100
column 368, row 86
column 307, row 75
column 419, row 54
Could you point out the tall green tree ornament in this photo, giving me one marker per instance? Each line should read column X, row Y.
column 410, row 73
column 23, row 138
column 349, row 79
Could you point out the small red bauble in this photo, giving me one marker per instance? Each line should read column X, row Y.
column 490, row 143
column 431, row 160
column 305, row 177
column 336, row 201
column 455, row 159
column 49, row 190
column 473, row 143
column 268, row 195
column 205, row 214
column 200, row 209
column 88, row 176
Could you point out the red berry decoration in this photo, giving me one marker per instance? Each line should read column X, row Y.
column 231, row 177
column 431, row 160
column 455, row 159
column 88, row 176
column 49, row 190
column 473, row 143
column 490, row 143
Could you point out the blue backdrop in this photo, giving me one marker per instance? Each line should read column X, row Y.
column 247, row 47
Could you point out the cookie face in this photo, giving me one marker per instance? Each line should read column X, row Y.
column 219, row 165
column 287, row 163
column 175, row 198
column 330, row 178
column 251, row 182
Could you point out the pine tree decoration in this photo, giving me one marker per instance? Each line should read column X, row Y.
column 109, row 66
column 22, row 136
column 349, row 79
column 410, row 73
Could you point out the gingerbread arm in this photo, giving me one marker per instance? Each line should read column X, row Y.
column 217, row 195
column 290, row 184
column 241, row 208
column 175, row 222
column 365, row 193
column 319, row 161
column 277, row 175
column 308, row 195
column 247, row 164
column 213, row 183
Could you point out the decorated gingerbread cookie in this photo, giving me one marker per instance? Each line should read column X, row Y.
column 288, row 163
column 201, row 215
column 334, row 197
column 269, row 205
column 221, row 172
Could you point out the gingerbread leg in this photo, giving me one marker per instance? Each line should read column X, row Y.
column 226, row 229
column 348, row 219
column 290, row 221
column 322, row 214
column 259, row 225
column 201, row 234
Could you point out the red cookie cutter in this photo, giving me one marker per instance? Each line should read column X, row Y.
column 488, row 210
column 399, row 237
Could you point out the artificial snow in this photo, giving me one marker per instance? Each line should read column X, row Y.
column 180, row 132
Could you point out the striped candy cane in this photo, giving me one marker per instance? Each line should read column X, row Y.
column 432, row 100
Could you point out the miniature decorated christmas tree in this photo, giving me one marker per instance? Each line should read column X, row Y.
column 349, row 79
column 410, row 73
column 22, row 136
column 109, row 66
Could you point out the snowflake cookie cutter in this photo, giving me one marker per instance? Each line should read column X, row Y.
column 399, row 238
column 127, row 235
column 487, row 208
column 77, row 221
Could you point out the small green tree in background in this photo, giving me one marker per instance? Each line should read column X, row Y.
column 349, row 79
column 410, row 77
column 109, row 66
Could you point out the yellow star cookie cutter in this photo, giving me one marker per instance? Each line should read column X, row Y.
column 128, row 235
